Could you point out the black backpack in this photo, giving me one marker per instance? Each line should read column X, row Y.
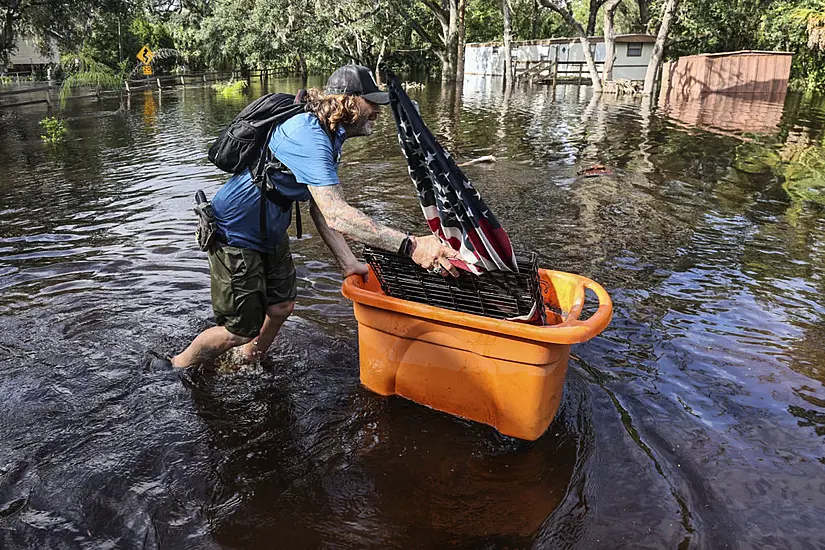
column 239, row 145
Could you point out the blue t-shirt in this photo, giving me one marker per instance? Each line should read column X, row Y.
column 301, row 145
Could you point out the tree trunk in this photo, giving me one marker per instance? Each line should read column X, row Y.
column 449, row 30
column 380, row 60
column 591, row 64
column 609, row 39
column 462, row 36
column 441, row 48
column 658, row 47
column 593, row 15
column 508, row 56
column 567, row 15
column 447, row 73
column 534, row 29
column 644, row 15
column 302, row 69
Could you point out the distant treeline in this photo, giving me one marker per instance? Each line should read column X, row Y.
column 420, row 36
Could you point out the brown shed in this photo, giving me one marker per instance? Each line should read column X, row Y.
column 745, row 72
column 727, row 92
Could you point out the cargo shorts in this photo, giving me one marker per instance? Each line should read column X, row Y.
column 245, row 282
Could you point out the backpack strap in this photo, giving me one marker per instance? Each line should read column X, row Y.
column 259, row 179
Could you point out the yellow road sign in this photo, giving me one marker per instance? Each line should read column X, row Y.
column 147, row 70
column 145, row 54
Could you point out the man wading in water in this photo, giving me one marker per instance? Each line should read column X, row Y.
column 252, row 276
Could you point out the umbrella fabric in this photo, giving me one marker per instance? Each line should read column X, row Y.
column 454, row 209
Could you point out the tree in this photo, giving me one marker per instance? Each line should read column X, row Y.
column 447, row 15
column 256, row 33
column 718, row 26
column 644, row 16
column 462, row 39
column 609, row 39
column 445, row 43
column 668, row 10
column 798, row 26
column 68, row 19
column 360, row 32
column 563, row 8
column 592, row 15
column 814, row 20
column 509, row 70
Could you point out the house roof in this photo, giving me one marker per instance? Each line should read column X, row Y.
column 648, row 38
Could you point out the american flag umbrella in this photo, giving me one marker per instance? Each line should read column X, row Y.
column 454, row 209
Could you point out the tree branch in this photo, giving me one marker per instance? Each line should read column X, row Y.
column 420, row 31
column 565, row 13
column 442, row 14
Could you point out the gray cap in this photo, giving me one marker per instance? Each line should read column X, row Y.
column 356, row 80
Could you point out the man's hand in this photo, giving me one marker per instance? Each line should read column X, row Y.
column 356, row 268
column 429, row 253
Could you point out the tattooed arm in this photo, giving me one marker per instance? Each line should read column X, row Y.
column 428, row 251
column 336, row 243
column 350, row 221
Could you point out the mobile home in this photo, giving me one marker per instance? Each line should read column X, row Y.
column 633, row 52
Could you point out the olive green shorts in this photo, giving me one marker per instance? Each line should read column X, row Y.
column 245, row 282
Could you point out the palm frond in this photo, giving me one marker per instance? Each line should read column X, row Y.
column 87, row 73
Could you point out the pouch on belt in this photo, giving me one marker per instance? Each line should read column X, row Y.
column 207, row 224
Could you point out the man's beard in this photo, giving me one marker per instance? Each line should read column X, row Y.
column 363, row 127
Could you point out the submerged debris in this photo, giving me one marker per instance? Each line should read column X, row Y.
column 595, row 171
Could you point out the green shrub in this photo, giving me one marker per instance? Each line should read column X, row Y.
column 230, row 88
column 55, row 130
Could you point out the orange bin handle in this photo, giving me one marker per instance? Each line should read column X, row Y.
column 599, row 320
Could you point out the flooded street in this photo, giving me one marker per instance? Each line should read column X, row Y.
column 696, row 420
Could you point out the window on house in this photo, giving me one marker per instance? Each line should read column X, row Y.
column 634, row 49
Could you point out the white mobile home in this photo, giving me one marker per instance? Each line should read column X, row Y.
column 633, row 52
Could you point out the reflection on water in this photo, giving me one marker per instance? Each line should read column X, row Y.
column 744, row 113
column 696, row 419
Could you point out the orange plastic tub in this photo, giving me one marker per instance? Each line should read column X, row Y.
column 506, row 374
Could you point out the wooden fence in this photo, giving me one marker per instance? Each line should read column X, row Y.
column 47, row 92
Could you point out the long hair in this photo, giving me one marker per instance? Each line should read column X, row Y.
column 333, row 110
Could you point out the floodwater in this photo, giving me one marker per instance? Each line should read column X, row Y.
column 697, row 420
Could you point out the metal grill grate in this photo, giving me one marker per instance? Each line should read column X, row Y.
column 496, row 294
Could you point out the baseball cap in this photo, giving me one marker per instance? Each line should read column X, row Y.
column 356, row 80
